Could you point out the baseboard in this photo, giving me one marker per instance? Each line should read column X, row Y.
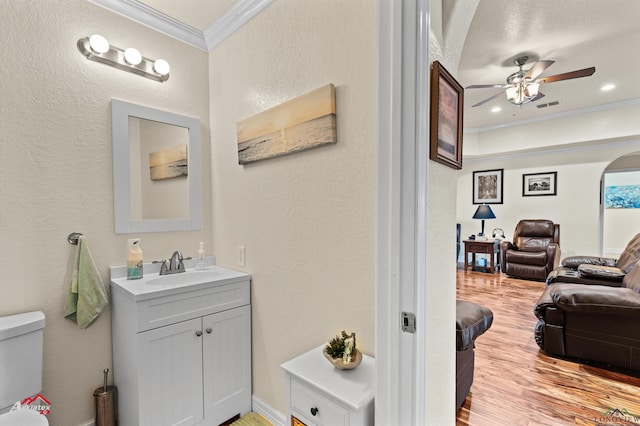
column 266, row 411
column 257, row 406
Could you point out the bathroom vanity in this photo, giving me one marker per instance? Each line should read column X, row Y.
column 181, row 346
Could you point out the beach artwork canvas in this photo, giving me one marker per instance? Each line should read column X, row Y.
column 622, row 197
column 169, row 163
column 305, row 122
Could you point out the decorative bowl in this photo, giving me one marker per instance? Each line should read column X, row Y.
column 356, row 359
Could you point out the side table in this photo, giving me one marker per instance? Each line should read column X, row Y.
column 490, row 247
column 318, row 394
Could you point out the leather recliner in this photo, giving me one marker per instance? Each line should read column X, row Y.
column 534, row 252
column 592, row 322
column 597, row 270
column 472, row 320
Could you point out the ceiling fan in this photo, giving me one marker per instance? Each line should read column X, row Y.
column 522, row 86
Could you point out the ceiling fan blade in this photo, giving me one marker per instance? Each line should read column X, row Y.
column 568, row 75
column 537, row 69
column 485, row 86
column 487, row 100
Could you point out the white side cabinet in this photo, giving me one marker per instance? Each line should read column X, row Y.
column 318, row 394
column 182, row 353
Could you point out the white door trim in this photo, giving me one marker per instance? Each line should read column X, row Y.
column 403, row 70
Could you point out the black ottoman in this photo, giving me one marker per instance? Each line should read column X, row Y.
column 472, row 320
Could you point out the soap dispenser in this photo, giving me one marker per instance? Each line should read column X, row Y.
column 201, row 262
column 134, row 259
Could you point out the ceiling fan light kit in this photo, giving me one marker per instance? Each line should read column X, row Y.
column 523, row 86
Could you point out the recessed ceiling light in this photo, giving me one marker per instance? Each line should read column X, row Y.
column 607, row 87
column 496, row 109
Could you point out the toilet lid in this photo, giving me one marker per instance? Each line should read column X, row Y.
column 23, row 418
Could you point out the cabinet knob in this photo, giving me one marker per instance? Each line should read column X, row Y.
column 208, row 330
column 199, row 333
column 314, row 411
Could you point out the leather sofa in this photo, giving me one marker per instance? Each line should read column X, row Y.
column 472, row 320
column 597, row 270
column 534, row 252
column 592, row 322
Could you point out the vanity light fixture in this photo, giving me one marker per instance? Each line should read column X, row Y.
column 97, row 48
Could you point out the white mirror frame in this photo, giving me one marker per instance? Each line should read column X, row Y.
column 120, row 113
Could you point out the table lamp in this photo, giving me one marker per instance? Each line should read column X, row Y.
column 484, row 212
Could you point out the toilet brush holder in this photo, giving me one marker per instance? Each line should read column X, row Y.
column 106, row 403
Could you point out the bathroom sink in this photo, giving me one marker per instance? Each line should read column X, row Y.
column 153, row 285
column 185, row 278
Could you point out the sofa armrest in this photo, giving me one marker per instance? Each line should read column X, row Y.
column 596, row 299
column 574, row 261
column 601, row 272
column 504, row 246
column 567, row 275
column 472, row 320
column 553, row 256
column 545, row 301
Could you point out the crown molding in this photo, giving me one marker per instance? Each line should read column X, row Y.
column 626, row 141
column 238, row 15
column 150, row 17
column 574, row 112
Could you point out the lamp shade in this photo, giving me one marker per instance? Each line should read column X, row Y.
column 484, row 212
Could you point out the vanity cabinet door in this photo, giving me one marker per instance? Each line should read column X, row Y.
column 227, row 364
column 170, row 369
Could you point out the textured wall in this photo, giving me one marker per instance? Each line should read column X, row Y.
column 307, row 220
column 578, row 190
column 56, row 175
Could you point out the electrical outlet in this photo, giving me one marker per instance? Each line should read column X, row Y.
column 242, row 256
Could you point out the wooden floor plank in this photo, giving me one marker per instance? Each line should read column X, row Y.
column 517, row 384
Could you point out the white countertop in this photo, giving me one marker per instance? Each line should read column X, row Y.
column 153, row 285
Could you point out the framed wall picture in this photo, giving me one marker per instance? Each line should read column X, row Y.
column 447, row 104
column 487, row 186
column 536, row 184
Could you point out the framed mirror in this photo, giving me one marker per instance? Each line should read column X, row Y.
column 156, row 170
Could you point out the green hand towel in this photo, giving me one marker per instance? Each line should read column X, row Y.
column 86, row 295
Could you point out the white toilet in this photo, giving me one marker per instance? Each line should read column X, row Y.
column 20, row 367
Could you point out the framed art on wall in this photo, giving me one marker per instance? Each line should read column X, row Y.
column 305, row 122
column 487, row 186
column 536, row 184
column 447, row 104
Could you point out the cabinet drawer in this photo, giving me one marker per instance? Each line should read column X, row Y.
column 171, row 309
column 327, row 412
column 481, row 248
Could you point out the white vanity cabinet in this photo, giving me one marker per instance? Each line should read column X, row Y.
column 318, row 394
column 182, row 353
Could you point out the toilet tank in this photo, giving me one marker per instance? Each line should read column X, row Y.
column 20, row 357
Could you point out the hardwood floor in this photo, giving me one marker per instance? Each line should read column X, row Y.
column 517, row 384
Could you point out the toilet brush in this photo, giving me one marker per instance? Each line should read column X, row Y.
column 106, row 402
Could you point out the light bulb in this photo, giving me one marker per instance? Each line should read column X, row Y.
column 132, row 56
column 98, row 43
column 161, row 67
column 532, row 90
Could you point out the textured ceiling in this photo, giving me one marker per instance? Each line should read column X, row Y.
column 576, row 34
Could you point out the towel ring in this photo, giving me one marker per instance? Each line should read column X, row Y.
column 73, row 238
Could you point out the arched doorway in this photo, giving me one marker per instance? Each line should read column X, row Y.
column 620, row 203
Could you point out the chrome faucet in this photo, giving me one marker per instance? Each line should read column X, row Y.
column 176, row 264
